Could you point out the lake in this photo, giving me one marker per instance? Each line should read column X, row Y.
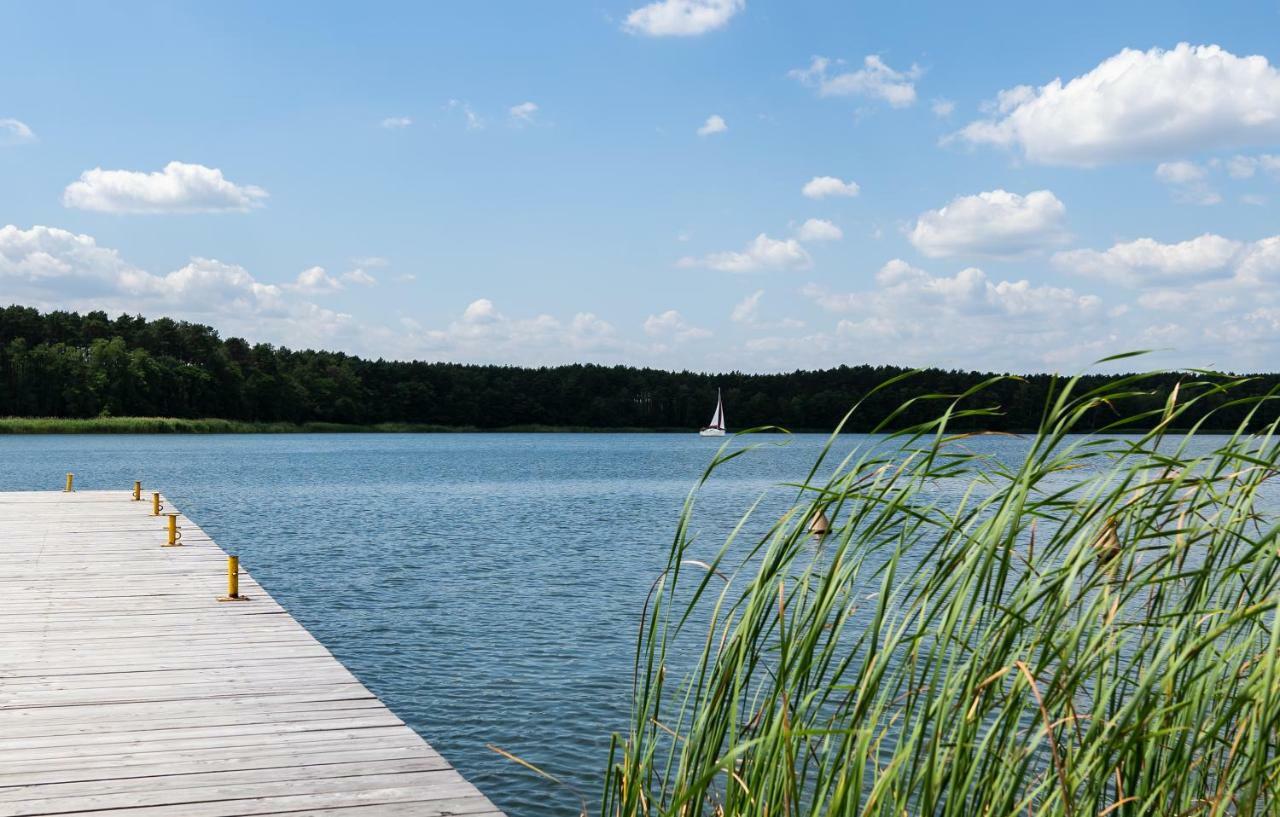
column 486, row 586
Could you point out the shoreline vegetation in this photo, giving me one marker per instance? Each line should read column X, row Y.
column 214, row 425
column 1088, row 629
column 17, row 426
column 80, row 367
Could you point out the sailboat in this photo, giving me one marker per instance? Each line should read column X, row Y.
column 716, row 427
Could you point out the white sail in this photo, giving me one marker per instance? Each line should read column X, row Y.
column 716, row 426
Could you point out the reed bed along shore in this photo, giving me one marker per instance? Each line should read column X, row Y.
column 1087, row 630
column 179, row 425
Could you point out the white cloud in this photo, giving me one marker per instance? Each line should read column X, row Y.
column 474, row 121
column 47, row 261
column 762, row 252
column 1188, row 181
column 396, row 122
column 1245, row 167
column 483, row 333
column 714, row 124
column 819, row 229
column 875, row 79
column 748, row 309
column 315, row 281
column 822, row 186
column 914, row 317
column 51, row 268
column 371, row 261
column 524, row 113
column 1139, row 105
column 179, row 188
column 1230, row 287
column 672, row 325
column 479, row 311
column 1182, row 172
column 747, row 313
column 942, row 108
column 15, row 132
column 995, row 223
column 971, row 291
column 1147, row 261
column 359, row 276
column 682, row 18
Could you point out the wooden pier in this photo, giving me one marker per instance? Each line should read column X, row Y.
column 127, row 688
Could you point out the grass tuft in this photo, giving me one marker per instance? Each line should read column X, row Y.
column 1088, row 629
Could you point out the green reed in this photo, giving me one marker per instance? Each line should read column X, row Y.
column 1089, row 630
column 196, row 425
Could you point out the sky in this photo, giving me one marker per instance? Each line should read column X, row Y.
column 716, row 185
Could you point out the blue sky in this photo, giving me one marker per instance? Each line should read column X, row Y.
column 618, row 181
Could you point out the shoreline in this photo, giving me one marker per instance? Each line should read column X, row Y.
column 211, row 425
column 34, row 426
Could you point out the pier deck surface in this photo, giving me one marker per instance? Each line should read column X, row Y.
column 127, row 689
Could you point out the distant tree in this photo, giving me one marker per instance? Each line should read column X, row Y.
column 63, row 364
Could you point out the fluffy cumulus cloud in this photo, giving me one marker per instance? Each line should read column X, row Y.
column 179, row 188
column 673, row 326
column 818, row 229
column 1214, row 296
column 360, row 277
column 748, row 309
column 714, row 124
column 820, row 187
column 484, row 333
column 747, row 313
column 1139, row 105
column 969, row 292
column 995, row 223
column 875, row 79
column 1246, row 167
column 1147, row 262
column 1188, row 181
column 15, row 132
column 50, row 268
column 524, row 113
column 682, row 18
column 1182, row 172
column 942, row 108
column 315, row 281
column 761, row 253
column 913, row 316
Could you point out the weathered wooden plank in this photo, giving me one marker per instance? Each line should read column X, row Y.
column 127, row 688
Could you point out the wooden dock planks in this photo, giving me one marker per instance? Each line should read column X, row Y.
column 127, row 689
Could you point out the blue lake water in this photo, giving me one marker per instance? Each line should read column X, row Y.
column 487, row 587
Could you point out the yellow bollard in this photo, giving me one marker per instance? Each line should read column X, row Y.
column 175, row 535
column 233, row 581
column 156, row 507
column 71, row 478
column 137, row 491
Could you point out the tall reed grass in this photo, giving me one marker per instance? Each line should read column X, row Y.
column 1089, row 629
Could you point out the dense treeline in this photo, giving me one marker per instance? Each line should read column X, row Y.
column 63, row 364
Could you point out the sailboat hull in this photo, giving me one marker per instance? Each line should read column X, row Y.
column 711, row 432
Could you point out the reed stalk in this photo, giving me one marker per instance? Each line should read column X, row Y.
column 1085, row 628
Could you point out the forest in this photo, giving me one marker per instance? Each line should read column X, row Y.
column 68, row 365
